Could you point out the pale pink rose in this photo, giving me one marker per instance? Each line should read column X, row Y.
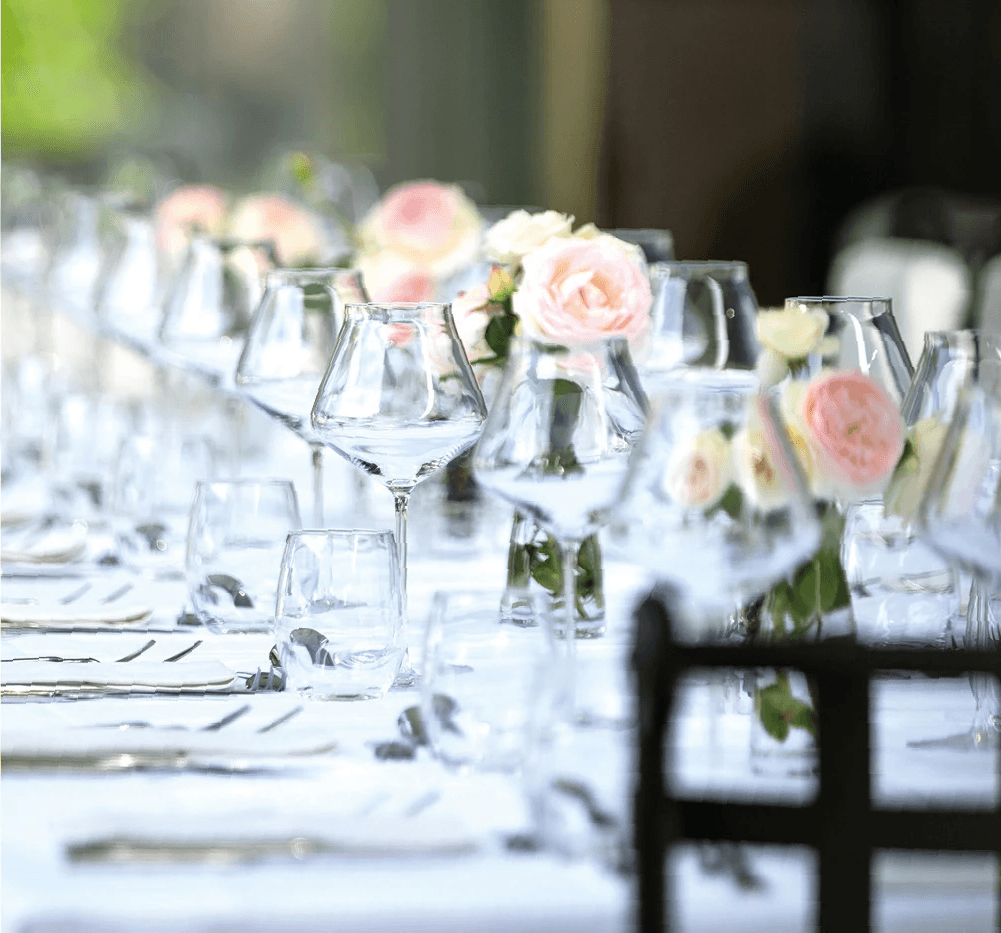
column 855, row 431
column 700, row 470
column 186, row 210
column 389, row 277
column 297, row 233
column 426, row 223
column 576, row 291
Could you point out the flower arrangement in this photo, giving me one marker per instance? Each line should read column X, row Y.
column 850, row 441
column 559, row 286
column 555, row 284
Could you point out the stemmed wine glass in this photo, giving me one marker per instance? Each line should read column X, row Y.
column 399, row 400
column 557, row 441
column 961, row 516
column 289, row 344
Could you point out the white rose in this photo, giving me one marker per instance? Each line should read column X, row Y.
column 700, row 471
column 510, row 239
column 792, row 332
column 759, row 477
column 910, row 479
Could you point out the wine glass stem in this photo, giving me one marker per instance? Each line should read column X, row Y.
column 982, row 633
column 317, row 450
column 401, row 499
column 569, row 549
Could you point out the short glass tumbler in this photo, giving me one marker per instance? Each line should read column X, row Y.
column 338, row 614
column 236, row 537
column 480, row 685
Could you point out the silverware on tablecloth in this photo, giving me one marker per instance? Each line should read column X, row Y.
column 135, row 654
column 56, row 659
column 184, row 653
column 281, row 720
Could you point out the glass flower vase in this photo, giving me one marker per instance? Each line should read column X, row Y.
column 814, row 603
column 534, row 570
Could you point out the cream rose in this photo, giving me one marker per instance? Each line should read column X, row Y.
column 910, row 479
column 791, row 332
column 425, row 223
column 700, row 471
column 757, row 467
column 576, row 291
column 199, row 208
column 297, row 233
column 510, row 239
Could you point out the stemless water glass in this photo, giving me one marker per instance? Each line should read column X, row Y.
column 236, row 538
column 288, row 347
column 556, row 443
column 687, row 321
column 715, row 502
column 338, row 614
column 399, row 400
column 479, row 689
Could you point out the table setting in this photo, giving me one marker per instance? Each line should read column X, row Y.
column 397, row 687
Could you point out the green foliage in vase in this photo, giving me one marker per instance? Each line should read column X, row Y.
column 539, row 559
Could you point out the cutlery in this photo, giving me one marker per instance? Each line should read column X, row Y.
column 227, row 719
column 118, row 594
column 281, row 720
column 75, row 595
column 135, row 654
column 181, row 654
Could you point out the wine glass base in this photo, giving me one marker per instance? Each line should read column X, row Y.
column 973, row 740
column 406, row 679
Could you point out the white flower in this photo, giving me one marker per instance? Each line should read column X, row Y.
column 792, row 332
column 510, row 239
column 910, row 479
column 758, row 475
column 700, row 470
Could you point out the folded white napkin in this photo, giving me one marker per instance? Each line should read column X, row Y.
column 133, row 676
column 53, row 549
column 32, row 616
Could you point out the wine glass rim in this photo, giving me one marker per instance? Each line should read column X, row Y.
column 583, row 345
column 244, row 481
column 397, row 305
column 842, row 299
column 700, row 265
column 344, row 533
column 308, row 272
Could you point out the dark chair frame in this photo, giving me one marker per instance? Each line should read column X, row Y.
column 841, row 825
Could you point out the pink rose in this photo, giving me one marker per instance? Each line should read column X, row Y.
column 426, row 223
column 297, row 233
column 578, row 290
column 190, row 208
column 390, row 278
column 855, row 432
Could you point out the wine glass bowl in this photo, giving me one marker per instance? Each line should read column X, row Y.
column 715, row 502
column 288, row 346
column 557, row 440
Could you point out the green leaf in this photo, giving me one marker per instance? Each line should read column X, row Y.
column 498, row 333
column 770, row 712
column 732, row 502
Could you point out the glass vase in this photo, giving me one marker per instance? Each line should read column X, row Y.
column 535, row 579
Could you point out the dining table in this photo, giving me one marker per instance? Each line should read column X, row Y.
column 156, row 774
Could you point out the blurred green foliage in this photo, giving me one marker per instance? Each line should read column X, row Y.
column 67, row 88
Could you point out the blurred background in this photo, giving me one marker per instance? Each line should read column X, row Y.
column 774, row 131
